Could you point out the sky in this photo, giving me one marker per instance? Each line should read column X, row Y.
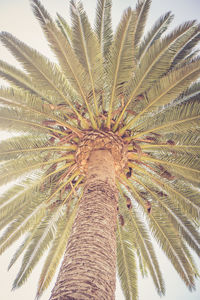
column 17, row 18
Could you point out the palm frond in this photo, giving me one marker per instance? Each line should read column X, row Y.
column 191, row 260
column 8, row 219
column 170, row 243
column 183, row 138
column 35, row 108
column 187, row 49
column 168, row 239
column 170, row 84
column 177, row 116
column 64, row 52
column 168, row 88
column 126, row 262
column 22, row 126
column 22, row 247
column 185, row 165
column 167, row 148
column 103, row 26
column 144, row 245
column 191, row 93
column 156, row 63
column 27, row 219
column 54, row 191
column 40, row 242
column 64, row 27
column 122, row 62
column 28, row 144
column 183, row 195
column 44, row 74
column 155, row 33
column 178, row 220
column 142, row 10
column 20, row 194
column 57, row 249
column 16, row 168
column 87, row 49
column 18, row 78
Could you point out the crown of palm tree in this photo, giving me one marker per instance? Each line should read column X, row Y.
column 137, row 96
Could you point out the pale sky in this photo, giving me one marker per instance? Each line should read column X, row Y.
column 16, row 17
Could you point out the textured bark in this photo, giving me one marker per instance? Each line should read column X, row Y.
column 88, row 270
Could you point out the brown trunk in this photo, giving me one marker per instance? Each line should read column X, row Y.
column 88, row 270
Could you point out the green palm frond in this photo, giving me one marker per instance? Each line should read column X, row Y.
column 187, row 50
column 155, row 33
column 176, row 117
column 30, row 104
column 18, row 78
column 142, row 264
column 87, row 49
column 14, row 169
column 43, row 73
column 142, row 9
column 103, row 26
column 28, row 219
column 22, row 247
column 15, row 149
column 14, row 145
column 185, row 165
column 168, row 88
column 126, row 263
column 184, row 197
column 156, row 63
column 173, row 83
column 168, row 238
column 21, row 194
column 11, row 216
column 190, row 260
column 41, row 240
column 122, row 57
column 57, row 249
column 183, row 138
column 9, row 120
column 170, row 243
column 63, row 50
column 179, row 221
column 64, row 27
column 191, row 93
column 167, row 148
column 144, row 245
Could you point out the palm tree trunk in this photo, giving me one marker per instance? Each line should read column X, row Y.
column 88, row 270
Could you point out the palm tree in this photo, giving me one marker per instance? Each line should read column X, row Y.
column 105, row 151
